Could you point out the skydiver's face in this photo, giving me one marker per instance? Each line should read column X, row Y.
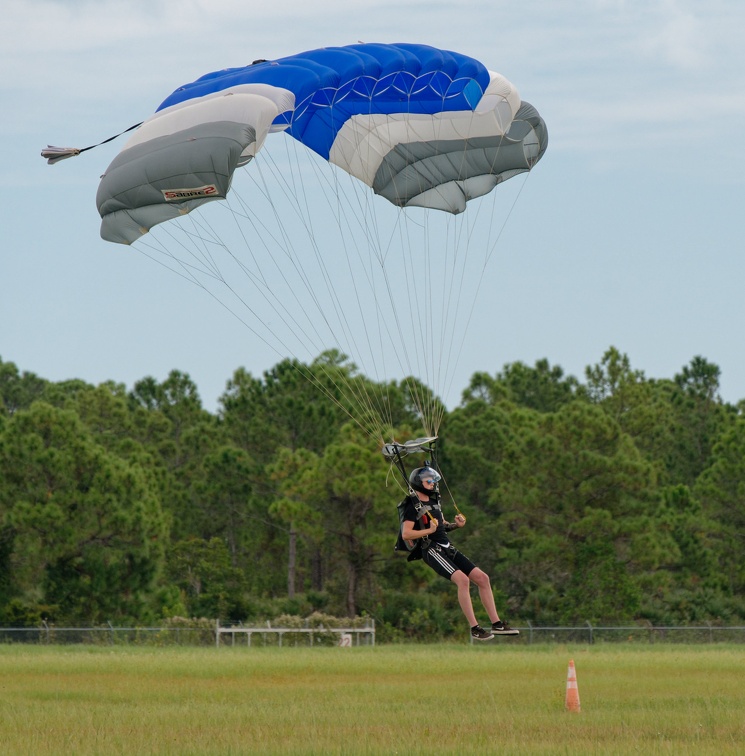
column 429, row 483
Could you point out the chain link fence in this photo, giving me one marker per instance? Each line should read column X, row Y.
column 204, row 632
column 110, row 635
column 211, row 633
column 596, row 634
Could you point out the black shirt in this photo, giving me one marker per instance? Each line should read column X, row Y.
column 410, row 513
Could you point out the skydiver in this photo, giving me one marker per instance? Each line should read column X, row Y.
column 439, row 554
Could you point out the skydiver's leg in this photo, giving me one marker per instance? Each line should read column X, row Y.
column 481, row 579
column 464, row 596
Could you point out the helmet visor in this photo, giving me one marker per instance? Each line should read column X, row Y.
column 430, row 476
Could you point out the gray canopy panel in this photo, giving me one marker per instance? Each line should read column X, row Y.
column 450, row 166
column 158, row 180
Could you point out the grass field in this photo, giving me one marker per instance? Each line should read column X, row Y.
column 445, row 699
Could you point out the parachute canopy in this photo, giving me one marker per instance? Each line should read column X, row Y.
column 421, row 126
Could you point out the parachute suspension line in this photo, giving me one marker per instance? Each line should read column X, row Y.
column 356, row 388
column 353, row 388
column 375, row 401
column 488, row 249
column 467, row 230
column 416, row 346
column 462, row 227
column 457, row 334
column 411, row 347
column 388, row 307
column 431, row 357
column 454, row 276
column 420, row 314
column 378, row 254
column 422, row 286
column 304, row 371
column 433, row 326
column 201, row 222
column 450, row 493
column 409, row 344
column 376, row 249
column 367, row 395
column 378, row 393
column 399, row 464
column 384, row 298
column 290, row 253
column 437, row 311
column 335, row 201
column 306, row 219
column 180, row 267
column 403, row 348
column 431, row 316
column 190, row 271
column 504, row 223
column 188, row 274
column 490, row 252
column 258, row 278
column 366, row 427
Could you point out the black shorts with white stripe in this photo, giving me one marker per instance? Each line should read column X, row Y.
column 445, row 560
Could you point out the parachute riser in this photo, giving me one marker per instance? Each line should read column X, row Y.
column 394, row 453
column 399, row 463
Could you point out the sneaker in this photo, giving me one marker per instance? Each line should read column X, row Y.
column 478, row 633
column 502, row 628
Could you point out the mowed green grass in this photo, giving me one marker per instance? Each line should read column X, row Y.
column 384, row 700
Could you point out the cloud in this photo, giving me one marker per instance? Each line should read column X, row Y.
column 604, row 73
column 680, row 38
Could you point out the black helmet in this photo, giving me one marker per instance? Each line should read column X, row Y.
column 421, row 474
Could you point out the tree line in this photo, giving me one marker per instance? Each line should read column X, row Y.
column 616, row 498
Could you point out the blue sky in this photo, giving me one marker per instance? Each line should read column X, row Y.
column 628, row 233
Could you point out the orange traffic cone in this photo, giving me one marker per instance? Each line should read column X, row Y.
column 572, row 699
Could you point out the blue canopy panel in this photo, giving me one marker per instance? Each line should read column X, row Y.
column 333, row 84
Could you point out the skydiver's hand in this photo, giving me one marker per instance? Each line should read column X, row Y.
column 460, row 520
column 432, row 525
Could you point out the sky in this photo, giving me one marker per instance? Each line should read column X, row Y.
column 628, row 233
